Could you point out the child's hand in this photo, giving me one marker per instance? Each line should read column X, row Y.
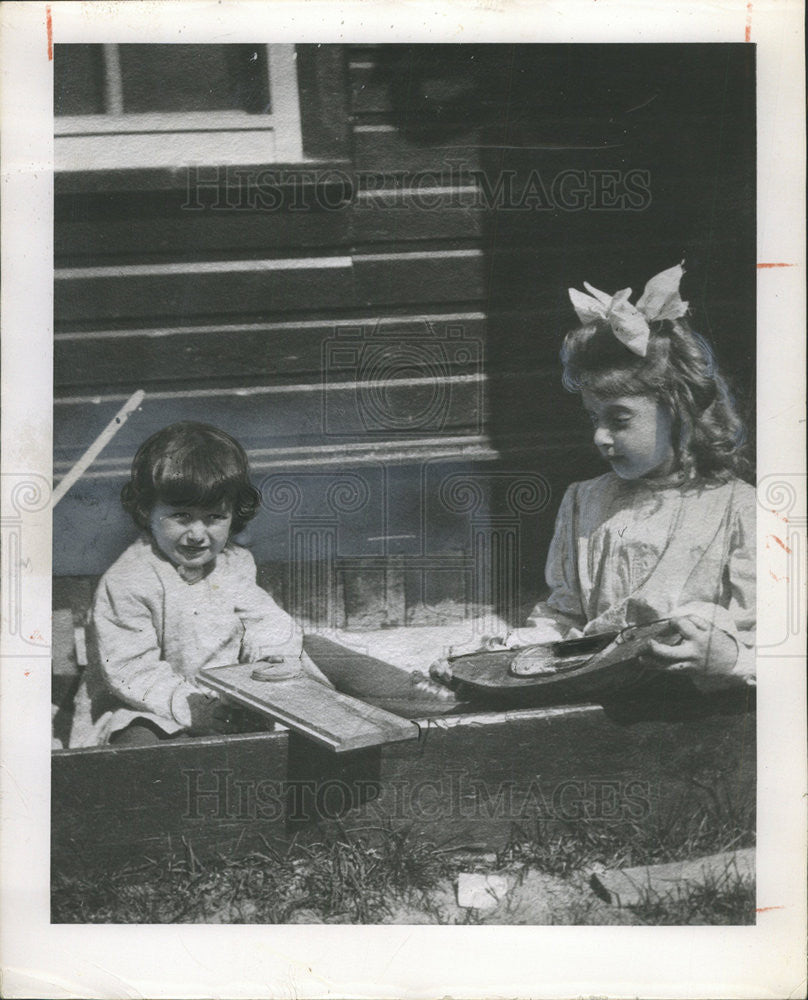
column 231, row 719
column 441, row 671
column 702, row 649
column 210, row 715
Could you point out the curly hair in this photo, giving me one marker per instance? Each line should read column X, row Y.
column 190, row 464
column 680, row 371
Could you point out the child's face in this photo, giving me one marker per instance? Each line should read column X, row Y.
column 633, row 434
column 190, row 536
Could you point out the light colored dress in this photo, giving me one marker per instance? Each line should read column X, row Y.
column 631, row 551
column 151, row 632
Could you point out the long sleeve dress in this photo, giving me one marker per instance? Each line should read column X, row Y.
column 631, row 551
column 151, row 632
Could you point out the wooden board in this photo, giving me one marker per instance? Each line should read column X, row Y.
column 384, row 149
column 384, row 215
column 465, row 780
column 86, row 296
column 628, row 886
column 308, row 707
column 112, row 805
column 289, row 418
column 280, row 350
column 94, row 295
column 208, row 223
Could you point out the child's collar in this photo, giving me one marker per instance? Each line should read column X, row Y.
column 676, row 480
column 193, row 574
column 189, row 575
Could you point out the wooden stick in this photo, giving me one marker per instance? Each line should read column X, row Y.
column 95, row 449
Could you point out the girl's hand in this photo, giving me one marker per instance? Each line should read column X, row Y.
column 703, row 650
column 441, row 671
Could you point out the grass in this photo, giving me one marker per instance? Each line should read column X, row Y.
column 363, row 876
column 351, row 879
column 674, row 830
column 716, row 899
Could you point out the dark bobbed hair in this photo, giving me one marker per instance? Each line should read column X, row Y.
column 190, row 464
column 680, row 371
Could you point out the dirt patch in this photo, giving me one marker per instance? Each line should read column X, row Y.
column 532, row 897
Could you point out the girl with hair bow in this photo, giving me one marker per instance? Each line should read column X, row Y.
column 669, row 531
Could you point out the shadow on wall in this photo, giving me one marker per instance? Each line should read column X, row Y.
column 605, row 163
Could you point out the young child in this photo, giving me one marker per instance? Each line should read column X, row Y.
column 669, row 532
column 182, row 597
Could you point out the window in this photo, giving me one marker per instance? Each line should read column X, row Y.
column 175, row 105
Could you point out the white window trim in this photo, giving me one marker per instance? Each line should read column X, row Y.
column 117, row 141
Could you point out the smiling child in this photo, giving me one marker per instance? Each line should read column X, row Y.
column 181, row 598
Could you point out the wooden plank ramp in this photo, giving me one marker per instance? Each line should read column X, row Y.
column 310, row 708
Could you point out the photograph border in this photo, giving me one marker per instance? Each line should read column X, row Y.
column 41, row 959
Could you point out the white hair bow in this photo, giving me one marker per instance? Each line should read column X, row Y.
column 659, row 300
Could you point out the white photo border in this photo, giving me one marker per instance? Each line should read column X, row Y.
column 40, row 959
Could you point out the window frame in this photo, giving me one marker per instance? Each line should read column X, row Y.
column 176, row 139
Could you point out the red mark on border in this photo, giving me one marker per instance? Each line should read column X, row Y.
column 765, row 909
column 748, row 32
column 49, row 24
column 776, row 578
column 780, row 542
column 778, row 264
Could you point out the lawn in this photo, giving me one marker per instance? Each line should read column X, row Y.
column 381, row 875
